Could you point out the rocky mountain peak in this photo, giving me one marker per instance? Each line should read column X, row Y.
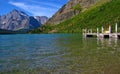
column 16, row 12
column 16, row 20
column 42, row 19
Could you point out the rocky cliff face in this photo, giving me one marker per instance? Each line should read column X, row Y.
column 41, row 19
column 72, row 8
column 17, row 20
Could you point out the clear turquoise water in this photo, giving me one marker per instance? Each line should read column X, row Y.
column 58, row 54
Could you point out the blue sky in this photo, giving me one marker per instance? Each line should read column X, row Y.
column 32, row 7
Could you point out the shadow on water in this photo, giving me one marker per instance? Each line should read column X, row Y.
column 58, row 54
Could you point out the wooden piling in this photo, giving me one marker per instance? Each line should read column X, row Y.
column 106, row 34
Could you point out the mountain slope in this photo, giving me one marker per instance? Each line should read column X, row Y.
column 96, row 16
column 41, row 19
column 104, row 15
column 17, row 20
column 72, row 8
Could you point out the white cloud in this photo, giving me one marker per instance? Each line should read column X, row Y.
column 35, row 10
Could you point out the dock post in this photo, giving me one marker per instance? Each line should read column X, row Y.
column 84, row 32
column 102, row 34
column 97, row 32
column 116, row 28
column 110, row 31
column 116, row 31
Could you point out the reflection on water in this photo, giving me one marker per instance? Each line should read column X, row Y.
column 110, row 42
column 58, row 54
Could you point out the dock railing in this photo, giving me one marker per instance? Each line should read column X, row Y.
column 103, row 33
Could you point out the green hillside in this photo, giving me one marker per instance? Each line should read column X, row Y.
column 100, row 15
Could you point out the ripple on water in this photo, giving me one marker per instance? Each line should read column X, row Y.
column 57, row 54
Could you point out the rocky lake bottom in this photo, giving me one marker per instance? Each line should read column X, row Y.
column 58, row 54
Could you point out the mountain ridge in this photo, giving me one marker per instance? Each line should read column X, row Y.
column 71, row 9
column 16, row 20
column 41, row 19
column 101, row 14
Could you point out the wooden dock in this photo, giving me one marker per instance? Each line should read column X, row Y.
column 103, row 34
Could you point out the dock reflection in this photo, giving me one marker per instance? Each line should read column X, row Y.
column 110, row 42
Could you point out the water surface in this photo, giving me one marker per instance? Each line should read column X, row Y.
column 58, row 54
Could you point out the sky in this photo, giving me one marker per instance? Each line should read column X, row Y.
column 32, row 7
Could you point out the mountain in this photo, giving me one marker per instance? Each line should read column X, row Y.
column 18, row 20
column 41, row 19
column 103, row 13
column 72, row 8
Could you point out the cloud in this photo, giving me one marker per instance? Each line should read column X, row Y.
column 36, row 9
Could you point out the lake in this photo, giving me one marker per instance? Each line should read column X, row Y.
column 58, row 54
